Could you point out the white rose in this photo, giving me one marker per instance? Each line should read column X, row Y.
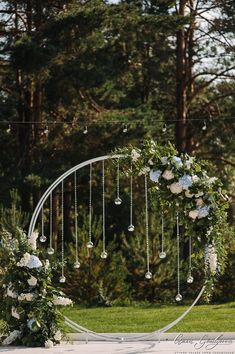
column 32, row 281
column 193, row 214
column 49, row 344
column 199, row 202
column 188, row 194
column 176, row 188
column 58, row 336
column 26, row 296
column 199, row 194
column 168, row 175
column 195, row 178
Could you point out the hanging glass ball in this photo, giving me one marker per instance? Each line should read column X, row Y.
column 62, row 279
column 148, row 275
column 190, row 279
column 50, row 251
column 162, row 255
column 104, row 255
column 76, row 265
column 178, row 297
column 131, row 228
column 89, row 244
column 43, row 238
column 118, row 201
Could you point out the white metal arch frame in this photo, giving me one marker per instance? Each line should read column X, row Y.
column 67, row 320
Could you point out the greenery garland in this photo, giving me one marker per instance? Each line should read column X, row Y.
column 181, row 182
column 28, row 301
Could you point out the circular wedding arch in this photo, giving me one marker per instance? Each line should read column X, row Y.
column 70, row 323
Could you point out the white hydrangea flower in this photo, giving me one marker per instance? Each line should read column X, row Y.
column 164, row 160
column 188, row 194
column 58, row 336
column 177, row 161
column 61, row 300
column 49, row 344
column 34, row 262
column 185, row 181
column 168, row 175
column 32, row 281
column 26, row 296
column 14, row 313
column 199, row 202
column 24, row 260
column 193, row 214
column 135, row 155
column 211, row 258
column 175, row 188
column 155, row 175
column 203, row 212
column 12, row 337
column 32, row 240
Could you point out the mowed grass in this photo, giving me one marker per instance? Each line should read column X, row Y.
column 202, row 318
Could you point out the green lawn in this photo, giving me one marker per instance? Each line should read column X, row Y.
column 208, row 318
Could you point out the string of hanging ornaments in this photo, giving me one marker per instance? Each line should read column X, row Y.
column 180, row 186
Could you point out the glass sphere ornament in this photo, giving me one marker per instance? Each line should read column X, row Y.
column 148, row 275
column 178, row 297
column 190, row 279
column 104, row 255
column 76, row 265
column 162, row 255
column 118, row 201
column 62, row 279
column 131, row 228
column 50, row 251
column 42, row 238
column 89, row 244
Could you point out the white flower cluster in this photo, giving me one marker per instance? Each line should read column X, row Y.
column 32, row 240
column 49, row 344
column 11, row 293
column 12, row 337
column 58, row 336
column 24, row 260
column 135, row 155
column 61, row 300
column 211, row 258
column 14, row 313
column 26, row 296
column 29, row 261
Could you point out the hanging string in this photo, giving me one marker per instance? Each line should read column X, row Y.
column 62, row 278
column 76, row 264
column 162, row 254
column 190, row 277
column 90, row 243
column 50, row 250
column 131, row 227
column 118, row 200
column 178, row 296
column 148, row 274
column 42, row 237
column 104, row 253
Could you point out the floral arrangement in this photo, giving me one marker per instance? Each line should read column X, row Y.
column 179, row 182
column 28, row 302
